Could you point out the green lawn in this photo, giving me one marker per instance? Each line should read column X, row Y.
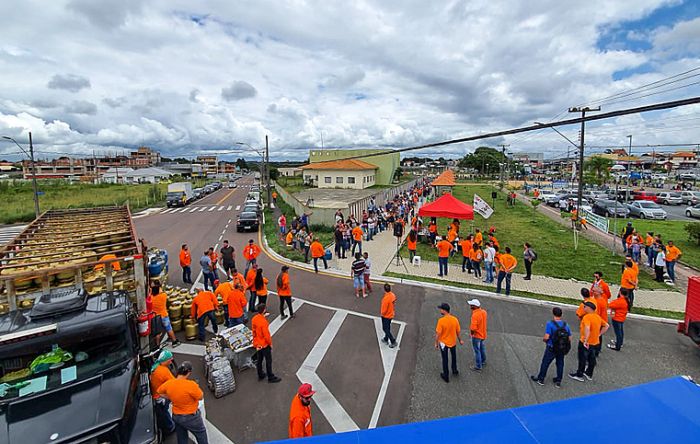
column 292, row 184
column 553, row 242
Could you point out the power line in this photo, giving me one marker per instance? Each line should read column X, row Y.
column 653, row 94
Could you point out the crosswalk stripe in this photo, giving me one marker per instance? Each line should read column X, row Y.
column 193, row 210
column 202, row 209
column 221, row 207
column 238, row 207
column 229, row 208
column 166, row 211
column 212, row 208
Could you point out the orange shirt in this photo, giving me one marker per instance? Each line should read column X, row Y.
column 261, row 331
column 629, row 278
column 284, row 289
column 476, row 255
column 648, row 241
column 432, row 228
column 160, row 302
column 299, row 419
column 601, row 304
column 159, row 376
column 185, row 258
column 601, row 286
column 495, row 241
column 672, row 253
column 357, row 233
column 412, row 245
column 388, row 305
column 236, row 303
column 250, row 278
column 251, row 251
column 444, row 248
column 274, row 195
column 595, row 323
column 620, row 309
column 239, row 279
column 290, row 237
column 451, row 235
column 106, row 257
column 478, row 325
column 223, row 290
column 447, row 330
column 508, row 262
column 579, row 310
column 317, row 249
column 262, row 291
column 478, row 238
column 204, row 301
column 466, row 245
column 183, row 393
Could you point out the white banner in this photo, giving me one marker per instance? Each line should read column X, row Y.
column 481, row 207
column 600, row 222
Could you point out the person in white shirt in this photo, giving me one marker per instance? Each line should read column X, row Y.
column 659, row 263
column 489, row 255
column 368, row 266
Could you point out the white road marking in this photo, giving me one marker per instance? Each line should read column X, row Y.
column 167, row 211
column 238, row 207
column 221, row 237
column 202, row 209
column 229, row 208
column 229, row 221
column 221, row 207
column 388, row 360
column 278, row 322
column 193, row 210
column 212, row 208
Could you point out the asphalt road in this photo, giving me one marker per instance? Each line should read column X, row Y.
column 677, row 212
column 334, row 341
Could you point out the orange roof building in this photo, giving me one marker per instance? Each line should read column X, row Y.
column 444, row 183
column 343, row 173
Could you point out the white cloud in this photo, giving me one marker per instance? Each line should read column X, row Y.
column 69, row 82
column 238, row 90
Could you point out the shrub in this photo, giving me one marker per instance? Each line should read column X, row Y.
column 693, row 229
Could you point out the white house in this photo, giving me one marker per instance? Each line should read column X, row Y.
column 345, row 173
column 116, row 175
column 148, row 175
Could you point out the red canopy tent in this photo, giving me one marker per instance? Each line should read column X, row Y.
column 447, row 206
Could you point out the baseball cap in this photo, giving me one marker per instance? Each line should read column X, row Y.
column 306, row 390
column 474, row 302
column 444, row 306
column 590, row 305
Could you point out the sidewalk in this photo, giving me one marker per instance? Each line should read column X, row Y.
column 381, row 250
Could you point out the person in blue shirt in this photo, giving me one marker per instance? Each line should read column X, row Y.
column 205, row 263
column 554, row 350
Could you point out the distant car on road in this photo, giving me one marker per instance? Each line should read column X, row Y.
column 609, row 208
column 247, row 221
column 669, row 198
column 232, row 185
column 198, row 193
column 643, row 195
column 647, row 210
column 687, row 176
column 544, row 195
column 693, row 211
column 690, row 197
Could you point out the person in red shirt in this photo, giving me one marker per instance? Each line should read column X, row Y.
column 477, row 329
column 262, row 341
column 444, row 249
column 185, row 262
column 250, row 253
column 620, row 307
column 300, row 413
column 387, row 314
column 203, row 306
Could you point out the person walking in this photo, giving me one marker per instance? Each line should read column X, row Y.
column 318, row 252
column 185, row 263
column 529, row 256
column 444, row 249
column 368, row 269
column 357, row 271
column 203, row 306
column 228, row 258
column 250, row 253
column 620, row 307
column 466, row 245
column 477, row 330
column 262, row 341
column 489, row 257
column 260, row 284
column 159, row 301
column 282, row 222
column 300, row 413
column 447, row 334
column 160, row 373
column 412, row 244
column 274, row 197
column 207, row 274
column 185, row 394
column 250, row 284
column 673, row 253
column 236, row 303
column 659, row 263
column 387, row 312
column 507, row 265
column 557, row 339
column 357, row 235
column 592, row 327
column 630, row 278
column 284, row 291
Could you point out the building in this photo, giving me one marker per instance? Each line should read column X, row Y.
column 290, row 172
column 61, row 168
column 205, row 166
column 116, row 175
column 147, row 175
column 683, row 160
column 386, row 163
column 143, row 157
column 344, row 173
column 534, row 160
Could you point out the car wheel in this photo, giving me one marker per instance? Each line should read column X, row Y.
column 687, row 213
column 642, row 216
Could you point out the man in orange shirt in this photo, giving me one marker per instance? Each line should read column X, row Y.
column 160, row 373
column 318, row 252
column 447, row 333
column 274, row 197
column 586, row 295
column 477, row 330
column 649, row 248
column 466, row 245
column 478, row 237
column 250, row 284
column 284, row 291
column 250, row 253
column 185, row 395
column 203, row 306
column 444, row 249
column 592, row 328
column 432, row 229
column 236, row 303
column 599, row 286
column 387, row 314
column 507, row 263
column 356, row 238
column 262, row 341
column 159, row 301
column 630, row 278
column 673, row 253
column 300, row 413
column 185, row 262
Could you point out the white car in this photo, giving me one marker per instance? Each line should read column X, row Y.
column 645, row 209
column 693, row 211
column 669, row 198
column 545, row 194
column 690, row 197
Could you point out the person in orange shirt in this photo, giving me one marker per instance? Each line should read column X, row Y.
column 185, row 395
column 214, row 262
column 466, row 245
column 250, row 253
column 318, row 252
column 493, row 239
column 444, row 249
column 185, row 263
column 432, row 229
column 250, row 284
column 507, row 263
column 673, row 253
column 160, row 373
column 478, row 237
column 284, row 291
column 475, row 257
column 412, row 244
column 203, row 306
column 601, row 304
column 238, row 278
column 477, row 329
column 357, row 234
column 262, row 341
column 236, row 303
column 159, row 301
column 223, row 290
column 630, row 278
column 289, row 238
column 599, row 286
column 620, row 307
column 260, row 284
column 300, row 413
column 109, row 257
column 649, row 248
column 447, row 334
column 387, row 314
column 592, row 328
column 586, row 295
column 274, row 197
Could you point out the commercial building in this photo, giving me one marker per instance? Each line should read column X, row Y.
column 386, row 163
column 345, row 173
column 205, row 166
column 143, row 157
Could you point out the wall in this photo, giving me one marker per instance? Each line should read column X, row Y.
column 333, row 174
column 387, row 163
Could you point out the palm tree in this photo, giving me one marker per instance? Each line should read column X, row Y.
column 600, row 166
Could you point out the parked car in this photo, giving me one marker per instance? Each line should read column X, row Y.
column 669, row 198
column 687, row 176
column 544, row 194
column 693, row 211
column 198, row 193
column 690, row 197
column 247, row 221
column 647, row 210
column 609, row 207
column 252, row 207
column 643, row 195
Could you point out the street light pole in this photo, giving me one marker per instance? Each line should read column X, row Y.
column 579, row 198
column 629, row 170
column 33, row 169
column 267, row 169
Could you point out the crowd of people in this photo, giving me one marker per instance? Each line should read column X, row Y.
column 660, row 256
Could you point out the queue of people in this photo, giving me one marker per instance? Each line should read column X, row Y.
column 661, row 257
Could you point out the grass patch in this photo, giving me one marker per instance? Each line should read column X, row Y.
column 542, row 297
column 293, row 184
column 553, row 242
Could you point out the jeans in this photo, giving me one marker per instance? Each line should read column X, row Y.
column 165, row 421
column 232, row 322
column 466, row 264
column 283, row 229
column 286, row 300
column 248, row 264
column 225, row 307
column 528, row 269
column 659, row 271
column 547, row 359
column 453, row 351
column 252, row 302
column 190, row 423
column 325, row 263
column 476, row 266
column 208, row 278
column 671, row 268
column 442, row 262
column 411, row 255
column 503, row 275
column 479, row 352
column 187, row 274
column 651, row 255
column 586, row 359
column 636, row 255
column 356, row 244
column 306, row 253
column 200, row 323
column 619, row 328
column 265, row 354
column 386, row 328
column 488, row 266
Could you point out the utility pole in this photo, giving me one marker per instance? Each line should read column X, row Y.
column 267, row 170
column 34, row 185
column 629, row 170
column 503, row 164
column 580, row 158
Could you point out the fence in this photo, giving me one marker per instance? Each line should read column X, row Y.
column 601, row 223
column 380, row 198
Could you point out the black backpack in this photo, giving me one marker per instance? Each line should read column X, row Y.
column 560, row 340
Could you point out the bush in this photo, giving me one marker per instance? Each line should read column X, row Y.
column 693, row 229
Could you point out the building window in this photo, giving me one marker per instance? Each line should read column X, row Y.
column 327, row 179
column 338, row 179
column 351, row 180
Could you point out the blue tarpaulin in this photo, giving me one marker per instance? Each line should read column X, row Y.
column 660, row 411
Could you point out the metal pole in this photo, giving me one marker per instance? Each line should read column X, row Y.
column 267, row 170
column 580, row 165
column 617, row 184
column 36, row 190
column 629, row 170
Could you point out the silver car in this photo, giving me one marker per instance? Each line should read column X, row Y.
column 669, row 198
column 690, row 197
column 645, row 209
column 693, row 211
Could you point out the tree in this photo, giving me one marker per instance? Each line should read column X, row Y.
column 274, row 173
column 241, row 163
column 693, row 229
column 484, row 159
column 398, row 173
column 600, row 167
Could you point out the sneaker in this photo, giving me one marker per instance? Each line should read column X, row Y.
column 455, row 372
column 392, row 345
column 557, row 384
column 590, row 378
column 175, row 343
column 445, row 377
column 576, row 377
column 261, row 377
column 385, row 340
column 284, row 316
column 538, row 381
column 274, row 379
column 613, row 347
column 475, row 369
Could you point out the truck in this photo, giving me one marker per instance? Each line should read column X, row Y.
column 74, row 343
column 179, row 194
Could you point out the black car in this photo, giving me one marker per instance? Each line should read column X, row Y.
column 608, row 208
column 252, row 207
column 247, row 221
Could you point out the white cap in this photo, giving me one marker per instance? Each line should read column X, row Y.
column 474, row 302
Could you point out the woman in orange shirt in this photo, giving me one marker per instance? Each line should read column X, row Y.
column 620, row 307
column 284, row 291
column 475, row 257
column 412, row 243
column 260, row 285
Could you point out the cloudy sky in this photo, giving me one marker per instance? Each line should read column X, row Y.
column 191, row 77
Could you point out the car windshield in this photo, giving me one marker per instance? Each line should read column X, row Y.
column 675, row 194
column 647, row 204
column 695, row 193
column 48, row 362
column 174, row 194
column 250, row 215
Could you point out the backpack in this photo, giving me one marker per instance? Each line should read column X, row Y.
column 560, row 340
column 534, row 254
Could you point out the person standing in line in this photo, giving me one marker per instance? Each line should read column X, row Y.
column 368, row 269
column 649, row 248
column 282, row 222
column 318, row 252
column 357, row 271
column 260, row 284
column 357, row 235
column 300, row 413
column 592, row 328
column 477, row 329
column 507, row 265
column 444, row 249
column 599, row 286
column 160, row 373
column 659, row 263
column 250, row 253
column 557, row 339
column 284, row 291
column 185, row 394
column 262, row 341
column 586, row 295
column 205, row 263
column 387, row 313
column 673, row 253
column 236, row 304
column 412, row 244
column 529, row 256
column 478, row 237
column 228, row 258
column 601, row 304
column 338, row 240
column 626, row 232
column 447, row 334
column 250, row 284
column 203, row 306
column 475, row 257
column 630, row 277
column 466, row 245
column 432, row 229
column 214, row 262
column 185, row 263
column 489, row 257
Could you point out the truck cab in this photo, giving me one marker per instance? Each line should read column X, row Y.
column 69, row 372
